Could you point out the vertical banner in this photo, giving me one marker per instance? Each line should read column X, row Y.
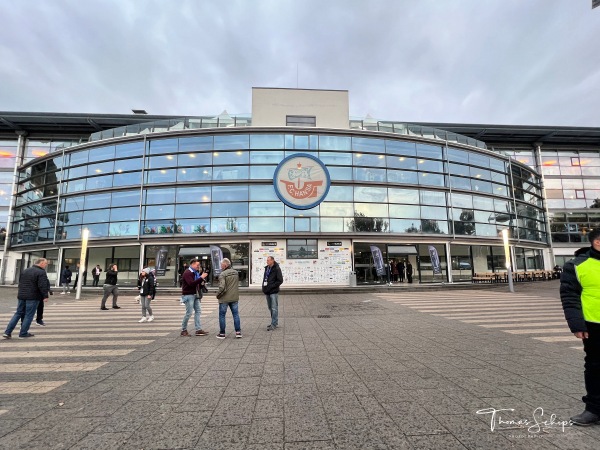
column 378, row 260
column 435, row 260
column 216, row 255
column 161, row 261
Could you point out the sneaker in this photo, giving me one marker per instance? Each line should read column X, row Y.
column 238, row 334
column 41, row 323
column 271, row 327
column 201, row 333
column 104, row 308
column 184, row 333
column 221, row 336
column 62, row 293
column 142, row 320
column 28, row 335
column 150, row 319
column 116, row 307
column 6, row 336
column 585, row 419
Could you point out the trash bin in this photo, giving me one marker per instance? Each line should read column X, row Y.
column 352, row 279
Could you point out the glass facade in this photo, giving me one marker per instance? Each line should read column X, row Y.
column 222, row 184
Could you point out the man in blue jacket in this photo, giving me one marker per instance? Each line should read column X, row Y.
column 33, row 288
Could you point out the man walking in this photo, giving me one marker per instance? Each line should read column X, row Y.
column 271, row 281
column 580, row 296
column 110, row 287
column 33, row 288
column 96, row 274
column 65, row 280
column 229, row 296
column 191, row 281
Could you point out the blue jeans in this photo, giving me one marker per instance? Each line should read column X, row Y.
column 191, row 304
column 236, row 316
column 25, row 311
column 272, row 300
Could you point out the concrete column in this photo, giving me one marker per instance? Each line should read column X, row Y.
column 549, row 253
column 19, row 157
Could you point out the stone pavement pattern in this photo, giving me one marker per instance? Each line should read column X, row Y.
column 387, row 371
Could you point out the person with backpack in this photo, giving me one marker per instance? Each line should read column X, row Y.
column 147, row 287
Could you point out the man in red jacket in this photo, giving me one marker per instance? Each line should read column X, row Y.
column 191, row 282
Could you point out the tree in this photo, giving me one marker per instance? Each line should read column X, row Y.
column 369, row 224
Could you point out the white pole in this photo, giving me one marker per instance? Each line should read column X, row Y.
column 85, row 234
column 511, row 288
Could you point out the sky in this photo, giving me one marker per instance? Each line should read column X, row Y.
column 514, row 62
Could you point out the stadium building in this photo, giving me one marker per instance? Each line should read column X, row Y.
column 330, row 197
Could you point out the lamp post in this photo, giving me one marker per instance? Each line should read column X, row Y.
column 84, row 243
column 511, row 288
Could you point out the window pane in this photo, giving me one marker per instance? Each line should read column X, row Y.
column 192, row 210
column 160, row 212
column 262, row 172
column 99, row 182
column 130, row 149
column 231, row 158
column 94, row 215
column 400, row 148
column 125, row 198
column 123, row 229
column 433, row 198
column 267, row 141
column 161, row 176
column 479, row 160
column 405, row 211
column 229, row 209
column 340, row 173
column 194, row 159
column 434, row 213
column 229, row 225
column 430, row 166
column 195, row 144
column 371, row 209
column 368, row 145
column 336, row 159
column 265, row 192
column 361, row 159
column 93, row 201
column 232, row 142
column 230, row 173
column 122, row 214
column 258, row 209
column 333, row 143
column 370, row 194
column 128, row 164
column 337, row 209
column 102, row 153
column 127, row 179
column 483, row 203
column 431, row 179
column 401, row 162
column 97, row 230
column 429, row 151
column 410, row 196
column 368, row 174
column 194, row 194
column 163, row 146
column 160, row 162
column 158, row 196
column 340, row 194
column 264, row 224
column 401, row 176
column 405, row 225
column 229, row 193
column 193, row 174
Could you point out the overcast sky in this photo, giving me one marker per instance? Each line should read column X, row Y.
column 476, row 61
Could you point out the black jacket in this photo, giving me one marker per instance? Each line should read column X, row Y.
column 33, row 284
column 111, row 277
column 570, row 290
column 65, row 276
column 274, row 280
column 147, row 285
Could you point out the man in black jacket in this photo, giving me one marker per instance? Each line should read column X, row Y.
column 33, row 288
column 110, row 287
column 271, row 282
column 580, row 296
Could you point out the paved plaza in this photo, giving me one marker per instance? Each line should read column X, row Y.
column 374, row 370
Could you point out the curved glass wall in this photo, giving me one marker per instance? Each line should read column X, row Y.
column 222, row 183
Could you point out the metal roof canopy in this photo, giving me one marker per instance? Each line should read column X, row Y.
column 194, row 251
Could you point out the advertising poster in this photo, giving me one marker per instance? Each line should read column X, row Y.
column 435, row 260
column 216, row 255
column 161, row 261
column 378, row 260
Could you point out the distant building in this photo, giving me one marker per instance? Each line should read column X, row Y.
column 297, row 179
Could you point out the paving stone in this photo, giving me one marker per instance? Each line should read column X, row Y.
column 266, row 430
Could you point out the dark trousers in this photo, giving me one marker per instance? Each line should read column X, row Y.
column 591, row 375
column 40, row 312
column 96, row 280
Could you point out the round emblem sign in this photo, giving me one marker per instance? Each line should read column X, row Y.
column 301, row 181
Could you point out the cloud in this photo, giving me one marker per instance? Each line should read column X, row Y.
column 505, row 62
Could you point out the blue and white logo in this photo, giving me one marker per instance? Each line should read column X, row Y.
column 301, row 181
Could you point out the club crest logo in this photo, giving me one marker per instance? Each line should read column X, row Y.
column 301, row 181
